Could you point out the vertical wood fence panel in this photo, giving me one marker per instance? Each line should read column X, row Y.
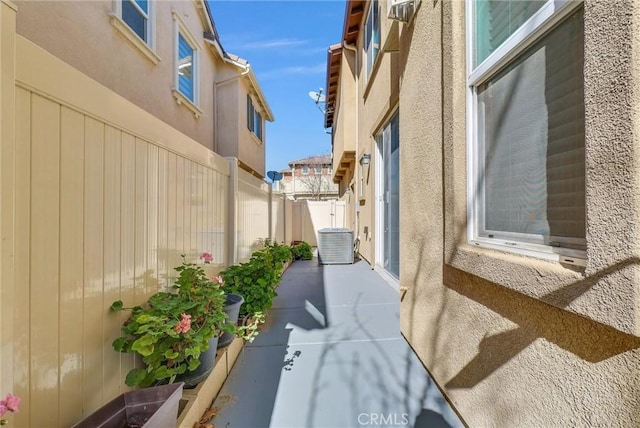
column 253, row 214
column 103, row 211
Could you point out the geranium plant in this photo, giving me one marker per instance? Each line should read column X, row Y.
column 9, row 404
column 174, row 327
column 206, row 257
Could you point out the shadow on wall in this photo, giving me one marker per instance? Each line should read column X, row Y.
column 589, row 340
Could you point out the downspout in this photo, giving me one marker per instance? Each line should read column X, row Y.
column 356, row 211
column 247, row 68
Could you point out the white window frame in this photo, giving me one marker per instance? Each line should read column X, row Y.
column 369, row 51
column 259, row 124
column 146, row 47
column 305, row 170
column 180, row 28
column 317, row 170
column 550, row 14
column 255, row 122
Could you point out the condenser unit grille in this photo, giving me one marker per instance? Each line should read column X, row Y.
column 335, row 246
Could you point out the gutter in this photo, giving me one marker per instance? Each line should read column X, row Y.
column 246, row 71
column 358, row 189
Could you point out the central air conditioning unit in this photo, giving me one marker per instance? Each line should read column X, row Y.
column 401, row 10
column 335, row 246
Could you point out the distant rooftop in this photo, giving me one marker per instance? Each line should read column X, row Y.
column 312, row 160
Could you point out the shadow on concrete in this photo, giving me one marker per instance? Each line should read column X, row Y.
column 256, row 376
column 330, row 355
column 430, row 419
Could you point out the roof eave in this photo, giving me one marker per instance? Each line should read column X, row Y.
column 253, row 81
column 334, row 59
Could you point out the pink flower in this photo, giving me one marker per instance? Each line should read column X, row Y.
column 12, row 402
column 184, row 325
column 3, row 408
column 218, row 279
column 207, row 257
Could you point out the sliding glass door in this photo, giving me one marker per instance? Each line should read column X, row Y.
column 388, row 207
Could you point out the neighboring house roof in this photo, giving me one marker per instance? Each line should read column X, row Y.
column 312, row 160
column 213, row 39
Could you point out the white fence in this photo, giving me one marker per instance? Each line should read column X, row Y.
column 310, row 216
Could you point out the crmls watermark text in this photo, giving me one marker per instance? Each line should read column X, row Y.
column 387, row 419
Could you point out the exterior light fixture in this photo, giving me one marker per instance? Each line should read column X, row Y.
column 365, row 159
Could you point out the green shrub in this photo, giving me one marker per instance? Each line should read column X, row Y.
column 255, row 280
column 302, row 251
column 281, row 253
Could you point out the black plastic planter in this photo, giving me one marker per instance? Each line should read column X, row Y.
column 153, row 407
column 232, row 309
column 207, row 360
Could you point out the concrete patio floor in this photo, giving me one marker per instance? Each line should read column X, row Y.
column 331, row 355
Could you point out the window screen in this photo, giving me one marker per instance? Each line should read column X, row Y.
column 531, row 148
column 496, row 20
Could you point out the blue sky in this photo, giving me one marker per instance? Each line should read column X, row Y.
column 286, row 43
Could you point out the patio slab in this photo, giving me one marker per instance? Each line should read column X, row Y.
column 331, row 355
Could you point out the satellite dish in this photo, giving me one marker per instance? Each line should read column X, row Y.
column 317, row 96
column 274, row 175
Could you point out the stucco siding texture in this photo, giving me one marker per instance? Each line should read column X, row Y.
column 506, row 337
column 228, row 114
column 377, row 103
column 81, row 34
column 251, row 150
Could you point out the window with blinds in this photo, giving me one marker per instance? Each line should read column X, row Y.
column 529, row 181
column 136, row 14
column 186, row 82
column 497, row 20
column 254, row 119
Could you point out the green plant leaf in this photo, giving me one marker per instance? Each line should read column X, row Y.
column 144, row 345
column 117, row 306
column 171, row 354
column 143, row 318
column 163, row 372
column 193, row 364
column 120, row 344
column 135, row 377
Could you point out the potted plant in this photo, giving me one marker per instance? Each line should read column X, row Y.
column 232, row 305
column 256, row 280
column 176, row 333
column 156, row 406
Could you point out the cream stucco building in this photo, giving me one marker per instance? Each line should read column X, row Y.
column 489, row 155
column 308, row 178
column 167, row 58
